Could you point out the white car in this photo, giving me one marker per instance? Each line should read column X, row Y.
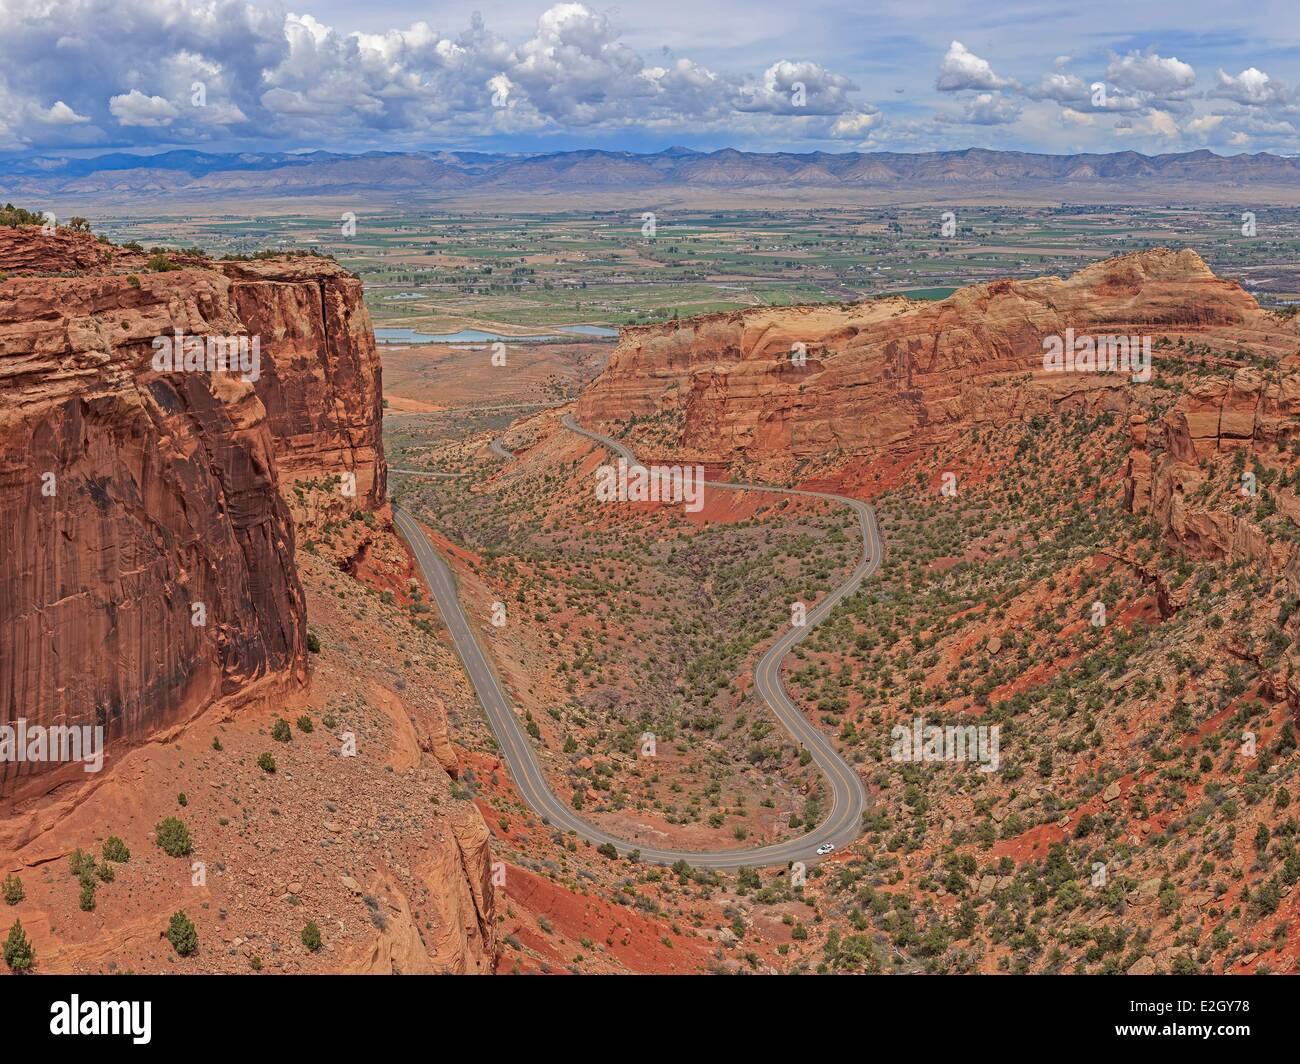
column 825, row 848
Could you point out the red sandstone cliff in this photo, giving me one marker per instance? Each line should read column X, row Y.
column 139, row 502
column 1248, row 411
column 893, row 374
column 130, row 493
column 1184, row 471
column 321, row 384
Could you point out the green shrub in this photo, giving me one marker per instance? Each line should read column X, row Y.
column 115, row 850
column 88, row 895
column 266, row 762
column 182, row 935
column 13, row 890
column 15, row 216
column 162, row 264
column 79, row 862
column 313, row 642
column 305, row 724
column 280, row 730
column 311, row 936
column 173, row 836
column 19, row 954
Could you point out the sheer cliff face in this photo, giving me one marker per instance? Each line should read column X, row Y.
column 893, row 374
column 146, row 554
column 321, row 385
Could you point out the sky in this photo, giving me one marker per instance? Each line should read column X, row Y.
column 89, row 76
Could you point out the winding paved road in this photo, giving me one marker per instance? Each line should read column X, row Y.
column 848, row 796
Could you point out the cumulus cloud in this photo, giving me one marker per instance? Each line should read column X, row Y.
column 795, row 88
column 136, row 109
column 853, row 126
column 1205, row 125
column 1155, row 124
column 986, row 109
column 962, row 69
column 1252, row 88
column 1063, row 87
column 60, row 114
column 195, row 69
column 1150, row 73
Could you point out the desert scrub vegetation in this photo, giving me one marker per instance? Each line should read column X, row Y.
column 114, row 849
column 183, row 935
column 1130, row 728
column 173, row 837
column 13, row 889
column 19, row 954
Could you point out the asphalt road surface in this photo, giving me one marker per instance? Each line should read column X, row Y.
column 848, row 797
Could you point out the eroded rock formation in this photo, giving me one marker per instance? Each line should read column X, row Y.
column 146, row 556
column 893, row 374
column 321, row 385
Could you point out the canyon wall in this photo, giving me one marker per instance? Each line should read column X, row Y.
column 1195, row 503
column 894, row 374
column 146, row 555
column 321, row 384
column 1251, row 412
column 770, row 387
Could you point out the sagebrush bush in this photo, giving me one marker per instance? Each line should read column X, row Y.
column 182, row 934
column 173, row 837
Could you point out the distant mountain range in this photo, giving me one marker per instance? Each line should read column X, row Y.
column 426, row 174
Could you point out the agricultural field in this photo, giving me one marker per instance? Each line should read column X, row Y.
column 521, row 273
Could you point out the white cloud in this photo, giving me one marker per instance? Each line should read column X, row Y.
column 60, row 114
column 795, row 88
column 1203, row 125
column 855, row 125
column 1252, row 88
column 1062, row 87
column 136, row 109
column 962, row 69
column 1150, row 73
column 987, row 109
column 1156, row 124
